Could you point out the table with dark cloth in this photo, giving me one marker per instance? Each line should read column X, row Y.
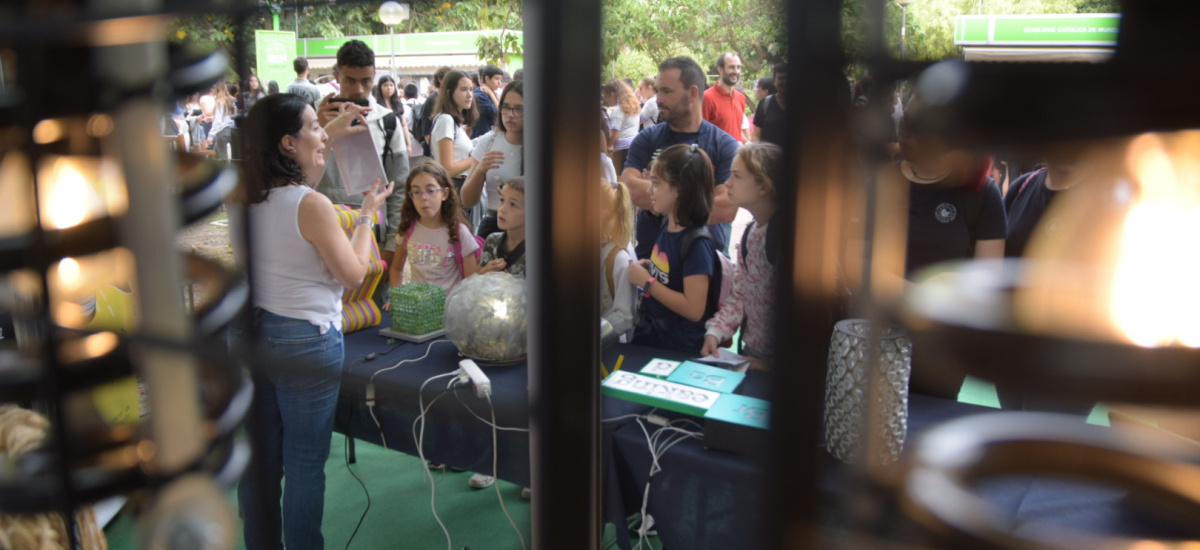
column 453, row 434
column 705, row 498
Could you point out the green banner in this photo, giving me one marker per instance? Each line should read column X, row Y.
column 1089, row 29
column 433, row 43
column 275, row 51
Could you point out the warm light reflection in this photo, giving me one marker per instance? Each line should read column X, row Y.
column 74, row 190
column 99, row 125
column 76, row 285
column 1155, row 297
column 49, row 131
column 88, row 347
column 16, row 194
column 68, row 273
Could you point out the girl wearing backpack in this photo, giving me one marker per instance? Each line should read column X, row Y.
column 674, row 281
column 618, row 298
column 436, row 240
column 751, row 187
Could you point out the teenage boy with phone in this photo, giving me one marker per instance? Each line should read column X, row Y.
column 355, row 74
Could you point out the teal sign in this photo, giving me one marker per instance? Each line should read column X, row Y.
column 274, row 52
column 1087, row 29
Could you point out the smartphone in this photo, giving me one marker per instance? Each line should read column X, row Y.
column 354, row 100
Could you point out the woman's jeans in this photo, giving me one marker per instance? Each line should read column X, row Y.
column 297, row 373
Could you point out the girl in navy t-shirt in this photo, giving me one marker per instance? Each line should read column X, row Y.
column 674, row 282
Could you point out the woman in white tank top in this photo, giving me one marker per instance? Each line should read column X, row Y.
column 300, row 263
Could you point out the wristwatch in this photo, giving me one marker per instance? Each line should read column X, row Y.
column 649, row 283
column 364, row 219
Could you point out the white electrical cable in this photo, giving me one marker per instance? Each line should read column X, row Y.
column 658, row 446
column 495, row 468
column 385, row 369
column 484, row 420
column 421, row 453
column 371, row 391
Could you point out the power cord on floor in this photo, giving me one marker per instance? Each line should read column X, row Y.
column 495, row 467
column 420, row 437
column 346, row 456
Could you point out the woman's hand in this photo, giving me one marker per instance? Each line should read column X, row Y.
column 491, row 160
column 343, row 124
column 495, row 265
column 373, row 199
column 638, row 274
column 711, row 345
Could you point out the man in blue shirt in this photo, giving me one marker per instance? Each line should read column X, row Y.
column 486, row 97
column 681, row 84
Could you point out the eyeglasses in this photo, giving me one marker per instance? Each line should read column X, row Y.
column 420, row 194
column 518, row 110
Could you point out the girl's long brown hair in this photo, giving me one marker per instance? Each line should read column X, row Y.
column 446, row 104
column 451, row 211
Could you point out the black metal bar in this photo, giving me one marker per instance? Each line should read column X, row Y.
column 816, row 129
column 562, row 42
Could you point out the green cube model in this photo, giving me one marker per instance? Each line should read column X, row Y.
column 738, row 424
column 708, row 377
column 659, row 393
column 417, row 308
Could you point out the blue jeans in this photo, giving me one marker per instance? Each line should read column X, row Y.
column 297, row 373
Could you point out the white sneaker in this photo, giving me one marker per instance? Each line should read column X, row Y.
column 481, row 481
column 526, row 493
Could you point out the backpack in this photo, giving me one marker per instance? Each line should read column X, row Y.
column 719, row 286
column 458, row 257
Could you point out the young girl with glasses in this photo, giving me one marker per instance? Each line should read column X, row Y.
column 436, row 241
column 499, row 156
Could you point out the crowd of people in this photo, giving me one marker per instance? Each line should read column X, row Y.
column 680, row 159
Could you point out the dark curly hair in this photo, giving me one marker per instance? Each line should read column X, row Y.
column 355, row 53
column 265, row 167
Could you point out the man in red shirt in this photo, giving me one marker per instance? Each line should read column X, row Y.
column 725, row 106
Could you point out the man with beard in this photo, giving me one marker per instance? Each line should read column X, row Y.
column 724, row 105
column 681, row 83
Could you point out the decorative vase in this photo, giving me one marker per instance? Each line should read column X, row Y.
column 857, row 406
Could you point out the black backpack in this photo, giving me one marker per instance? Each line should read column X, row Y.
column 716, row 282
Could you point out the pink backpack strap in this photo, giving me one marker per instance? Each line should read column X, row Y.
column 462, row 271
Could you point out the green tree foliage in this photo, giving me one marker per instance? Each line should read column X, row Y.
column 930, row 23
column 753, row 29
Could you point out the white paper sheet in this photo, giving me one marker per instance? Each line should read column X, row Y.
column 358, row 163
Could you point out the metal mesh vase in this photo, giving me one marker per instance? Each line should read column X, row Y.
column 847, row 404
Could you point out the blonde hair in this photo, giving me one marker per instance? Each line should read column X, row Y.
column 763, row 161
column 617, row 225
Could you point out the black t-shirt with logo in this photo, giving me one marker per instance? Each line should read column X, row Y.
column 1027, row 199
column 944, row 222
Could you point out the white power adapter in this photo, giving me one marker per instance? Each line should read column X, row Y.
column 483, row 386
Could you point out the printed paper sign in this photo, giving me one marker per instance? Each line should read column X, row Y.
column 660, row 368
